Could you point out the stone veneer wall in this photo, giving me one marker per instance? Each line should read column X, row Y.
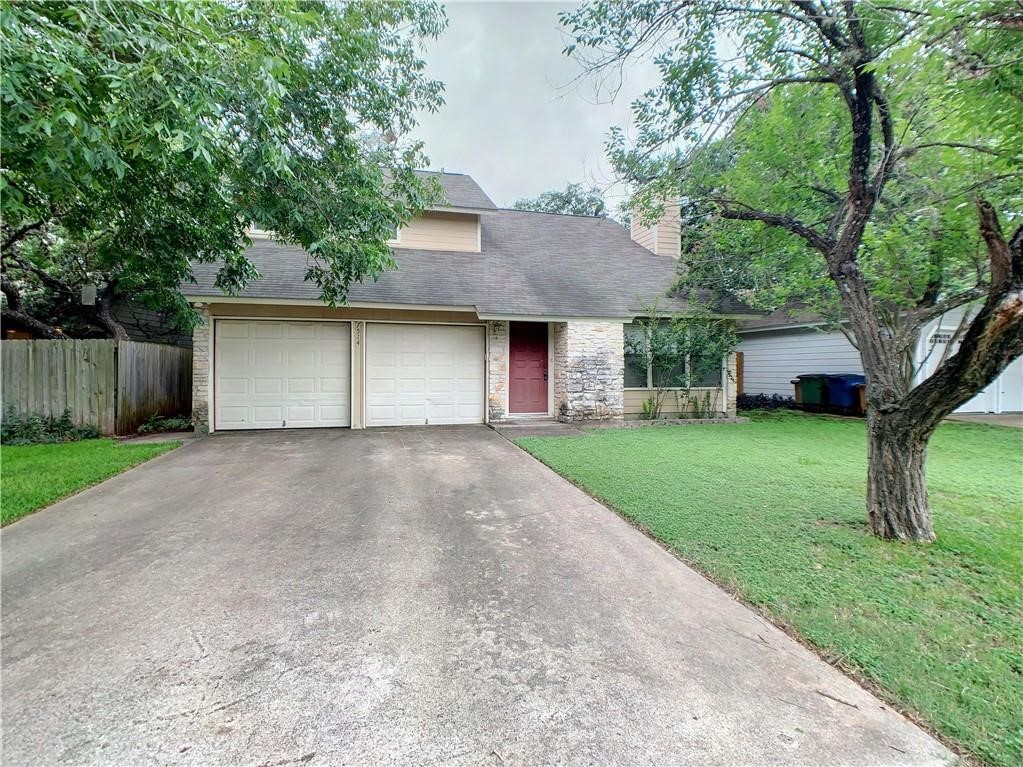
column 731, row 382
column 201, row 372
column 497, row 367
column 589, row 370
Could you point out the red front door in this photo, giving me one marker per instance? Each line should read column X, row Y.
column 527, row 390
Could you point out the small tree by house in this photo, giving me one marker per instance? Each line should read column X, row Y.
column 680, row 357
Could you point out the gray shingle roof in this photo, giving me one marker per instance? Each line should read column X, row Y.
column 460, row 191
column 531, row 264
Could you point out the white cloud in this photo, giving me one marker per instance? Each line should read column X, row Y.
column 516, row 117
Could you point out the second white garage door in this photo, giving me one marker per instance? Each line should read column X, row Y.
column 424, row 374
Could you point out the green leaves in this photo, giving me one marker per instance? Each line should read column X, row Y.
column 574, row 199
column 162, row 130
column 752, row 112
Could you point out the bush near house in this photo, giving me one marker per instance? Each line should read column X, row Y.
column 764, row 402
column 773, row 510
column 159, row 423
column 35, row 429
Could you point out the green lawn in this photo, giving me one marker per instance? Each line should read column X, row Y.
column 34, row 476
column 774, row 509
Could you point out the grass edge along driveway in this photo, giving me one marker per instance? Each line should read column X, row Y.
column 774, row 510
column 37, row 476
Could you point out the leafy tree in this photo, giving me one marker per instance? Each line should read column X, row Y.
column 830, row 151
column 139, row 136
column 574, row 199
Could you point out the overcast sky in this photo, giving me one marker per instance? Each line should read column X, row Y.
column 513, row 119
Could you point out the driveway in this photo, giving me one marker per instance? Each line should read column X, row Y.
column 404, row 596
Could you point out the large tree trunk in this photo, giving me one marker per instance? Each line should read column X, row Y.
column 896, row 478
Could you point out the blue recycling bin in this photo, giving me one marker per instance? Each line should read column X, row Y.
column 843, row 392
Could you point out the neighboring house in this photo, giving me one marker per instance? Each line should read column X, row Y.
column 139, row 321
column 152, row 325
column 491, row 314
column 778, row 347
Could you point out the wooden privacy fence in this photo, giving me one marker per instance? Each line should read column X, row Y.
column 115, row 385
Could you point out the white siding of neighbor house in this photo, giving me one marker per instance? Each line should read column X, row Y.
column 772, row 358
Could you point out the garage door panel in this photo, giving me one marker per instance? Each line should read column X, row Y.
column 333, row 358
column 234, row 385
column 266, row 357
column 270, row 375
column 300, row 332
column 265, row 386
column 301, row 386
column 232, row 355
column 418, row 374
column 411, row 385
column 333, row 385
column 231, row 415
column 267, row 330
column 300, row 358
column 302, row 414
column 233, row 330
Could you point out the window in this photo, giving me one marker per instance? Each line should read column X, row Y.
column 667, row 378
column 636, row 350
column 706, row 372
column 641, row 374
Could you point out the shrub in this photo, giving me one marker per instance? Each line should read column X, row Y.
column 35, row 429
column 157, row 422
column 764, row 402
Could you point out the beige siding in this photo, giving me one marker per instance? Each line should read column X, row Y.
column 441, row 231
column 669, row 241
column 663, row 237
column 669, row 404
column 643, row 235
column 286, row 312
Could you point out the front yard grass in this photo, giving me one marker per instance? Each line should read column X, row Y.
column 34, row 476
column 774, row 510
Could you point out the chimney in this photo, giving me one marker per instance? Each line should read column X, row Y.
column 664, row 237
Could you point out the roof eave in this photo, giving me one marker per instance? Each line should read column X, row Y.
column 458, row 209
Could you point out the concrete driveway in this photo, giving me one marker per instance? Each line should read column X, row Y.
column 404, row 596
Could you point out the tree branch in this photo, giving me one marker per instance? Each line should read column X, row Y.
column 25, row 320
column 1000, row 254
column 994, row 337
column 11, row 292
column 20, row 234
column 745, row 213
column 909, row 151
column 825, row 24
column 53, row 283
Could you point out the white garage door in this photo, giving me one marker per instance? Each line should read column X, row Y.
column 273, row 375
column 423, row 374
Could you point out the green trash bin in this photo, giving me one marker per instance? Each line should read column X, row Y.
column 814, row 390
